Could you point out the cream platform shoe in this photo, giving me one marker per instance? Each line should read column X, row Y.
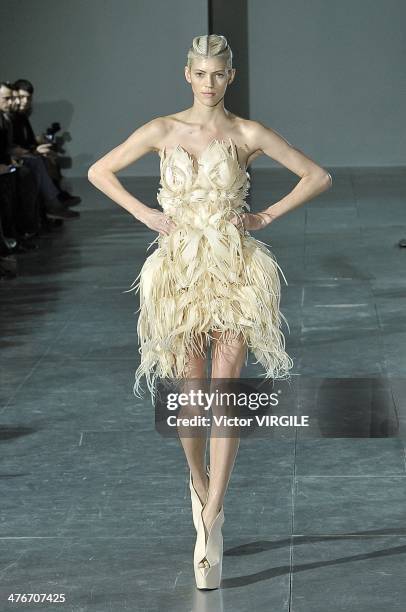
column 212, row 551
column 197, row 506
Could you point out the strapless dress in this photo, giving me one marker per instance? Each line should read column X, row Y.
column 207, row 275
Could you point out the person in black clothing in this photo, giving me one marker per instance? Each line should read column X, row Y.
column 18, row 191
column 25, row 138
column 32, row 162
column 23, row 133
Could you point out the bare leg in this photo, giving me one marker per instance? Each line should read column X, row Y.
column 227, row 361
column 195, row 447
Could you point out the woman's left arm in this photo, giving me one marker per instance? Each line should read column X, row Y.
column 313, row 178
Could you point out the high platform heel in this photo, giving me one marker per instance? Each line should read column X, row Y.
column 197, row 505
column 211, row 550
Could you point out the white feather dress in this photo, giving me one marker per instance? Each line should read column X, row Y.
column 206, row 275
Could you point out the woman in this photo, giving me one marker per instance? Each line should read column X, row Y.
column 208, row 280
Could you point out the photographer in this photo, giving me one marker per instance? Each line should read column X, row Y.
column 46, row 146
column 32, row 163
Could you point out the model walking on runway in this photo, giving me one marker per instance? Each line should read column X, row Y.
column 209, row 283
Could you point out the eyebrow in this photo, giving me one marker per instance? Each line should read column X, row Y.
column 214, row 71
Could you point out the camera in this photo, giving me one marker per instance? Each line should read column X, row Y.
column 50, row 135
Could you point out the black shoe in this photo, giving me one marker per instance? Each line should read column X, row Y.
column 8, row 246
column 55, row 210
column 67, row 199
column 10, row 243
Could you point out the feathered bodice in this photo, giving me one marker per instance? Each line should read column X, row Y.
column 206, row 275
column 203, row 190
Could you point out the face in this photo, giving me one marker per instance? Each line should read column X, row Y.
column 25, row 100
column 15, row 106
column 6, row 99
column 209, row 75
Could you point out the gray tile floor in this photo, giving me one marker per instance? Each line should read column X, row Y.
column 95, row 503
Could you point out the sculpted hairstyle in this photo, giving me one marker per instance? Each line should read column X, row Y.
column 210, row 45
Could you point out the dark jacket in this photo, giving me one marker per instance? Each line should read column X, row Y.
column 6, row 136
column 23, row 134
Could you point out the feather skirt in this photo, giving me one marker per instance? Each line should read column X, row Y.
column 202, row 278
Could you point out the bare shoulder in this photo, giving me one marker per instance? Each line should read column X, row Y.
column 247, row 131
column 263, row 139
column 154, row 132
column 257, row 133
column 145, row 139
column 167, row 127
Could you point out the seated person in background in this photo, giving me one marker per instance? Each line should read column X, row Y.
column 19, row 209
column 31, row 161
column 25, row 139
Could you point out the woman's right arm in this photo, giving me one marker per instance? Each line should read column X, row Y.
column 101, row 174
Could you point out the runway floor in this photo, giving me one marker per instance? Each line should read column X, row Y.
column 95, row 503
